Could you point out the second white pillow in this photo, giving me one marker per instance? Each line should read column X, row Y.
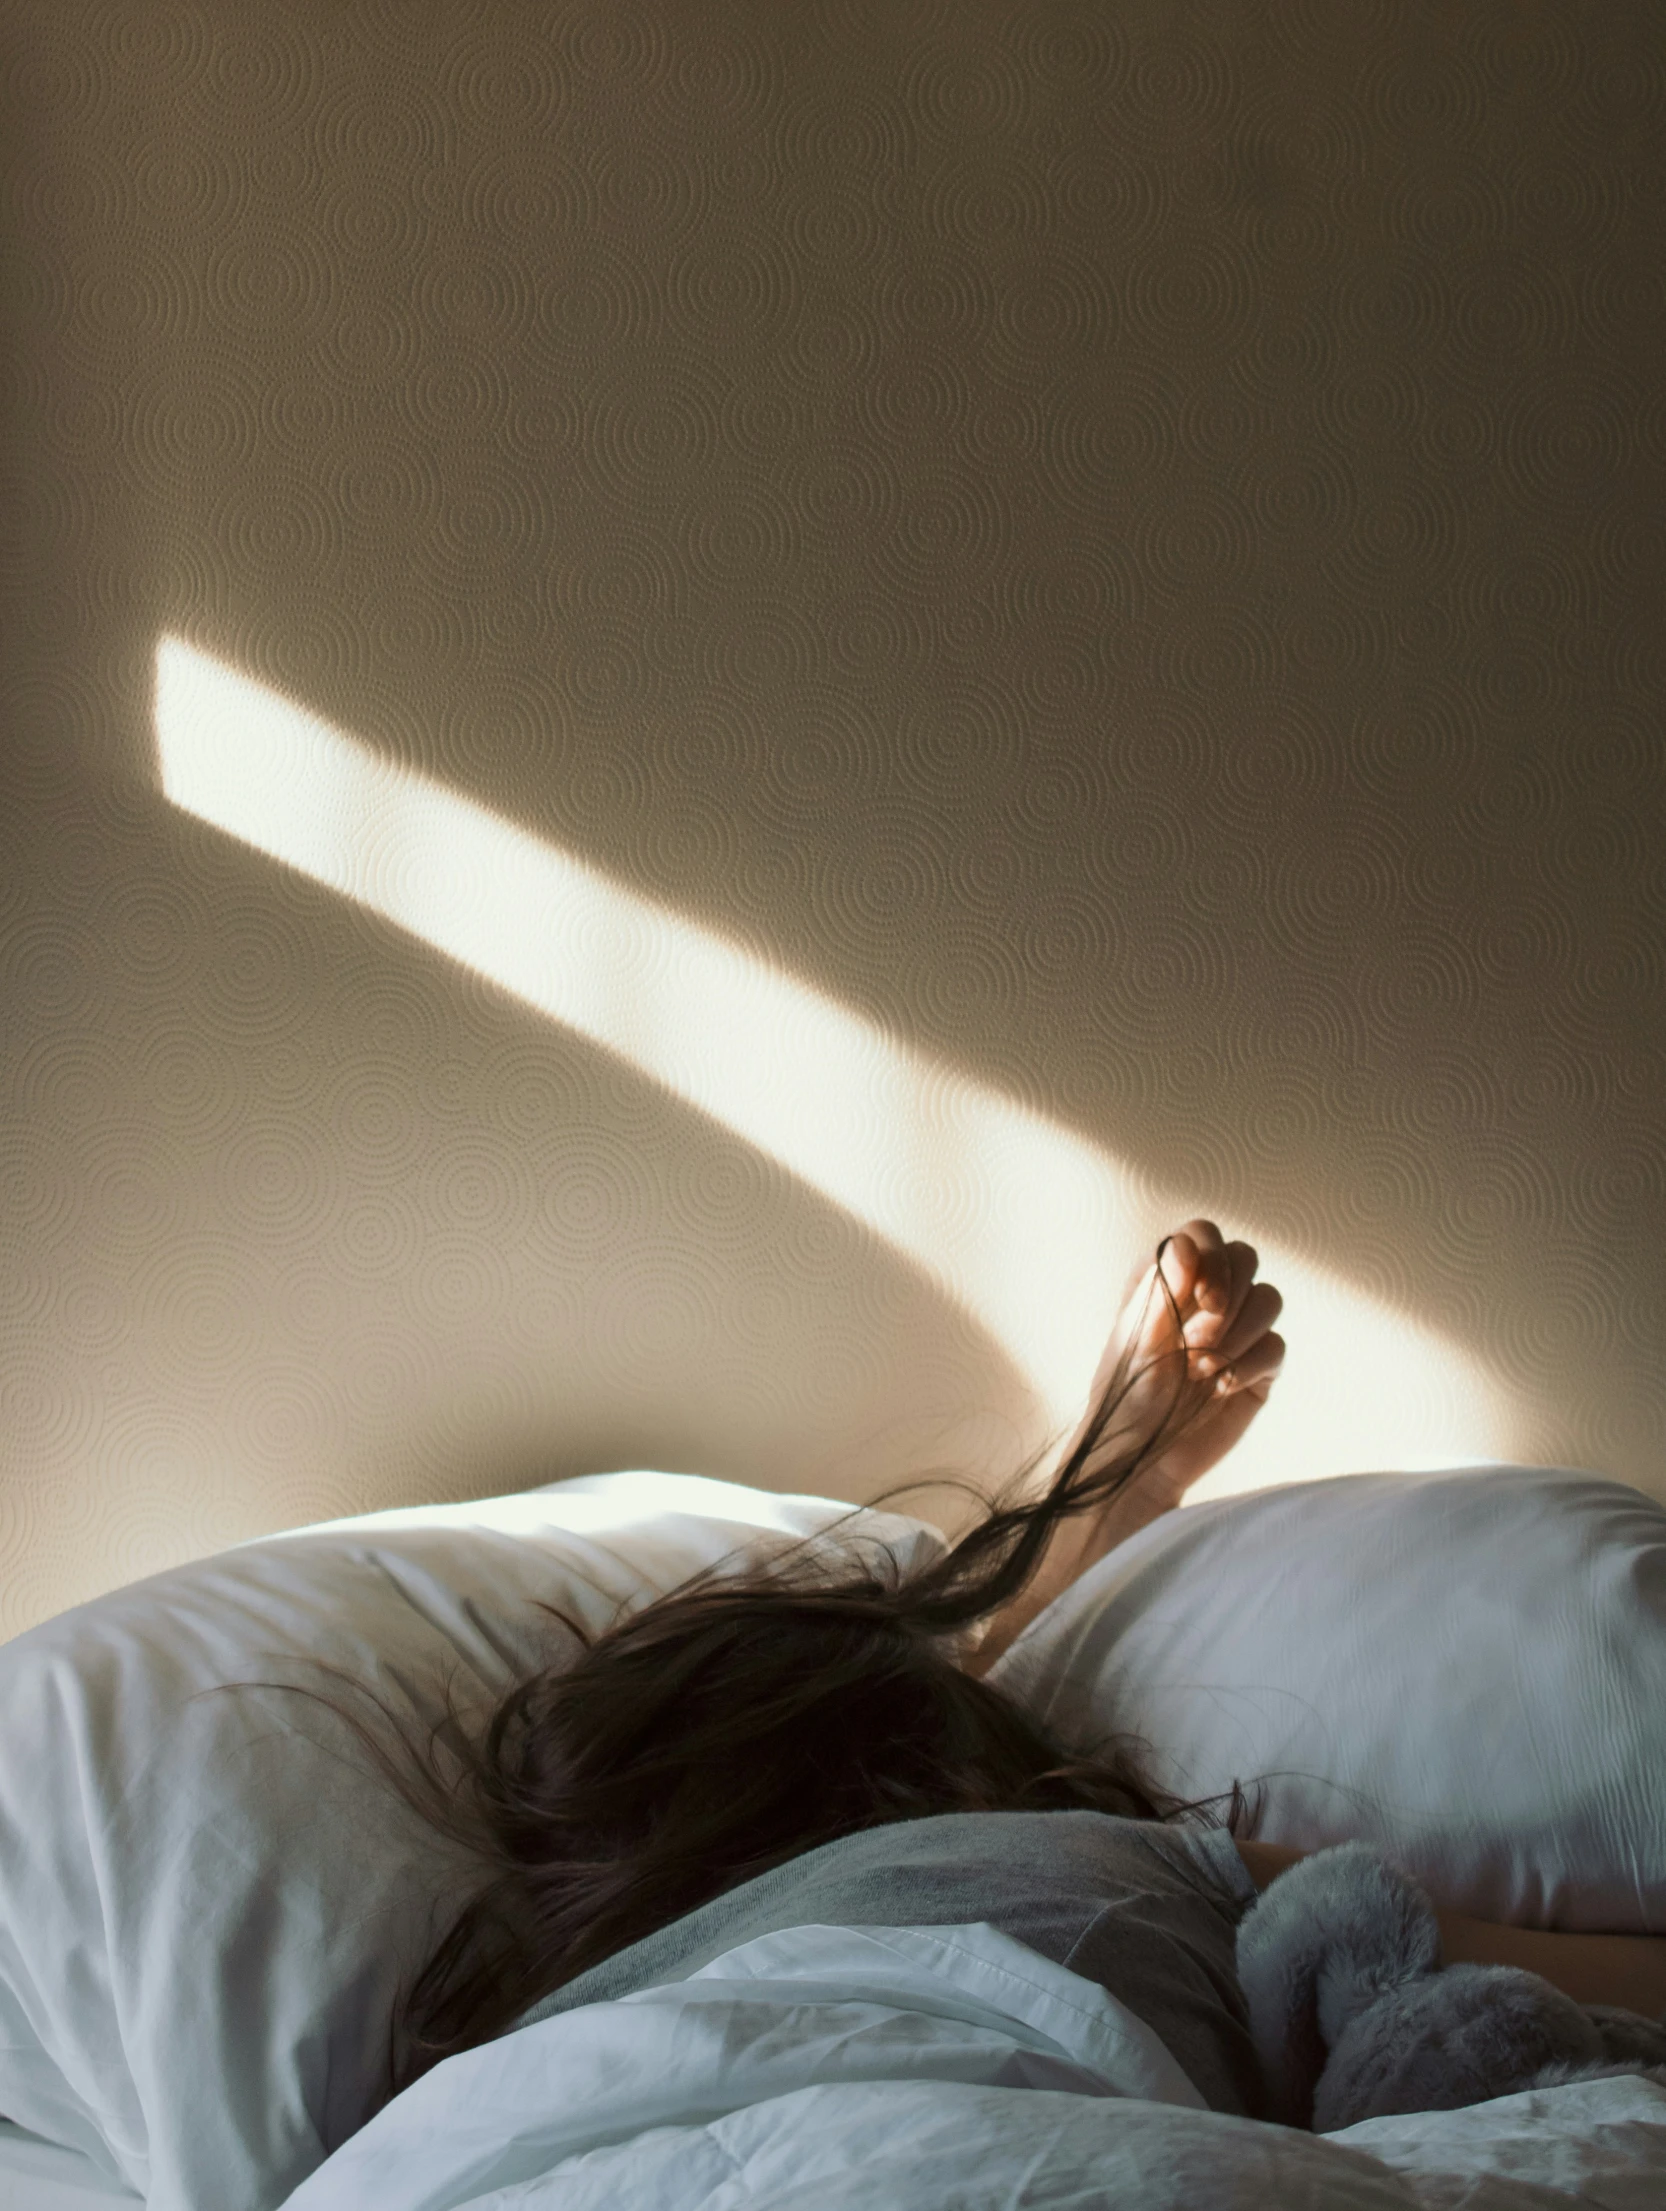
column 1466, row 1669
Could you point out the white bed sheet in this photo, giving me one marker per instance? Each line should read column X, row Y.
column 39, row 2176
column 929, row 2069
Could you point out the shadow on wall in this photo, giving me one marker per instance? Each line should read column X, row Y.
column 1008, row 1214
column 1085, row 586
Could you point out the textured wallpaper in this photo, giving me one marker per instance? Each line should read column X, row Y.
column 702, row 702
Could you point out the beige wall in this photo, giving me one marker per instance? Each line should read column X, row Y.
column 1122, row 546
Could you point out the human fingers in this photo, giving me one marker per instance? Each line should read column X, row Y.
column 1177, row 1263
column 1261, row 1307
column 1194, row 1265
column 1234, row 1268
column 1254, row 1373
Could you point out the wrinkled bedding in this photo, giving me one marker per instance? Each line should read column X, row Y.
column 932, row 2069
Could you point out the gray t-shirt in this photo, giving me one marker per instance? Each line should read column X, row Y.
column 1148, row 1911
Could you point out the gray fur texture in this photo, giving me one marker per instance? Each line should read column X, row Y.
column 1353, row 2016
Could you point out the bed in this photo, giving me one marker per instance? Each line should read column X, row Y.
column 208, row 1902
column 37, row 2175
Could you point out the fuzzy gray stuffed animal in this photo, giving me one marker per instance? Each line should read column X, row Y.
column 1354, row 2017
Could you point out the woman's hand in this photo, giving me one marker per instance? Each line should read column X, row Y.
column 1226, row 1321
column 1226, row 1324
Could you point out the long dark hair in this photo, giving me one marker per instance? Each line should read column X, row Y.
column 741, row 1720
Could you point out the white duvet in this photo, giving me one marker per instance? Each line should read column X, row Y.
column 932, row 2069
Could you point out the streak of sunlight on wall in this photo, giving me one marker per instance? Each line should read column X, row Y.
column 1032, row 1229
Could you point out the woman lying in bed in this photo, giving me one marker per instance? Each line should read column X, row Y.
column 743, row 1756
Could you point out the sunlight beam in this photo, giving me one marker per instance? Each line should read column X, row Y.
column 1027, row 1226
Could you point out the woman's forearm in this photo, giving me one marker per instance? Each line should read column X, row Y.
column 1593, row 1969
column 1629, row 1970
column 1075, row 1547
column 1229, row 1346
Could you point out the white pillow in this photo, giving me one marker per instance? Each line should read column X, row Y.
column 1467, row 1669
column 206, row 1906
